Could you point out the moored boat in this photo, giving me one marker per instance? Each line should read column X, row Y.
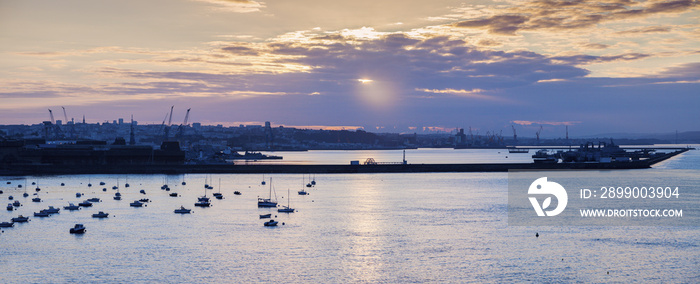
column 77, row 229
column 20, row 219
column 183, row 210
column 71, row 207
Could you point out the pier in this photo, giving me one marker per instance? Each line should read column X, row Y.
column 327, row 169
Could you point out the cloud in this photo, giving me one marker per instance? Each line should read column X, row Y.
column 554, row 123
column 238, row 6
column 567, row 15
column 473, row 93
column 645, row 30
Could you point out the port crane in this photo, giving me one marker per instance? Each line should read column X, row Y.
column 182, row 126
column 166, row 128
column 72, row 127
column 538, row 134
column 515, row 135
column 53, row 126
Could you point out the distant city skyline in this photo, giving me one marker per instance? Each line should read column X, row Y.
column 611, row 66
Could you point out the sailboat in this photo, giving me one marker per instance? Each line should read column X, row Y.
column 313, row 182
column 267, row 202
column 183, row 180
column 302, row 191
column 89, row 183
column 263, row 181
column 203, row 201
column 218, row 195
column 286, row 209
column 126, row 182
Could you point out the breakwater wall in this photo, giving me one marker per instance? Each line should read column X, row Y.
column 321, row 169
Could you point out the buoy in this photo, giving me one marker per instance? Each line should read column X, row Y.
column 537, row 235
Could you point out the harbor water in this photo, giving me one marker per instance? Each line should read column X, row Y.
column 351, row 228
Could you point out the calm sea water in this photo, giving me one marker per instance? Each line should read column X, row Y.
column 367, row 228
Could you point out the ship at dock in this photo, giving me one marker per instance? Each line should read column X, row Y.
column 228, row 154
column 591, row 153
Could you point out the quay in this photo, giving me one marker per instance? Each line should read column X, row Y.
column 39, row 169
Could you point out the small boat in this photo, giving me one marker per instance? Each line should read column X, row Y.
column 71, row 207
column 16, row 203
column 78, row 195
column 38, row 189
column 202, row 203
column 104, row 189
column 10, row 197
column 19, row 186
column 94, row 199
column 77, row 229
column 136, row 203
column 115, row 187
column 144, row 200
column 100, row 215
column 63, row 184
column 36, row 199
column 41, row 213
column 6, row 224
column 126, row 185
column 142, row 191
column 25, row 194
column 20, row 219
column 218, row 195
column 237, row 192
column 303, row 192
column 518, row 150
column 102, row 183
column 10, row 207
column 265, row 216
column 85, row 204
column 270, row 223
column 52, row 210
column 267, row 202
column 117, row 198
column 286, row 209
column 173, row 194
column 203, row 198
column 183, row 210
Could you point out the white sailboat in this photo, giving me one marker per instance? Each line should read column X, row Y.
column 267, row 202
column 286, row 209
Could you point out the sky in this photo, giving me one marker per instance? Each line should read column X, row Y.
column 612, row 66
